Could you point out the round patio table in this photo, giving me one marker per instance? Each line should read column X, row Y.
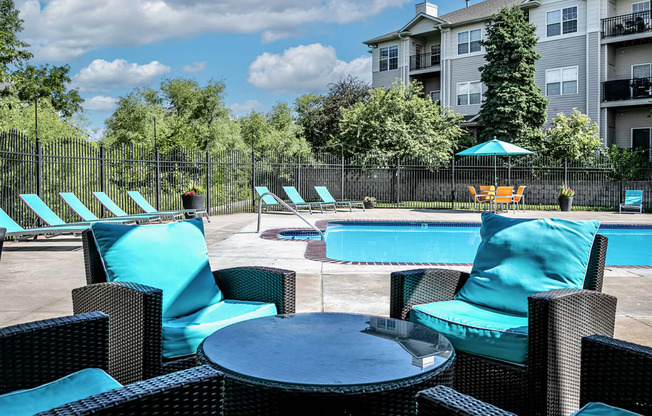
column 327, row 364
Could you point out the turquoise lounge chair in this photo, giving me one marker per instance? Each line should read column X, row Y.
column 15, row 230
column 298, row 202
column 633, row 200
column 44, row 212
column 148, row 208
column 328, row 199
column 267, row 199
column 87, row 215
column 117, row 211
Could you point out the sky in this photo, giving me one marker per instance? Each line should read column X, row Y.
column 263, row 51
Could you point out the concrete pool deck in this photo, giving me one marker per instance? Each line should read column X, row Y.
column 36, row 277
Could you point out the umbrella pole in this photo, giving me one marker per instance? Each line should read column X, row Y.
column 495, row 173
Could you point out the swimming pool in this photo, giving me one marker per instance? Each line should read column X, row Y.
column 446, row 242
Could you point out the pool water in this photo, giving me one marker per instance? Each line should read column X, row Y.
column 428, row 242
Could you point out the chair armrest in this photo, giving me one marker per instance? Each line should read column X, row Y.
column 40, row 352
column 617, row 373
column 418, row 286
column 135, row 311
column 195, row 391
column 259, row 284
column 444, row 401
column 557, row 321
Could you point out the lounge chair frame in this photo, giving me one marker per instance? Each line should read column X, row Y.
column 110, row 205
column 627, row 206
column 557, row 321
column 140, row 200
column 327, row 198
column 298, row 201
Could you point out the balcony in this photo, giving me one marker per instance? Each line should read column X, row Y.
column 425, row 62
column 634, row 26
column 637, row 91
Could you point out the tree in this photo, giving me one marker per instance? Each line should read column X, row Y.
column 319, row 116
column 400, row 122
column 573, row 138
column 28, row 82
column 18, row 115
column 626, row 164
column 274, row 131
column 513, row 109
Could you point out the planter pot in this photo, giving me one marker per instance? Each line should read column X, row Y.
column 369, row 205
column 193, row 201
column 565, row 203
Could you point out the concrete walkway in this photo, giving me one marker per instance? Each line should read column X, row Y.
column 36, row 277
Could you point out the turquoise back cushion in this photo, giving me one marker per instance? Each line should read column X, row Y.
column 73, row 387
column 171, row 257
column 520, row 257
column 601, row 409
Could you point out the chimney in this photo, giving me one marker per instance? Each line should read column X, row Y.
column 426, row 8
column 467, row 3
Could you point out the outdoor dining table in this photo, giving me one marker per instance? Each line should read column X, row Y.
column 326, row 364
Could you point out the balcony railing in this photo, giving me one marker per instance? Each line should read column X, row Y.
column 627, row 89
column 424, row 60
column 627, row 24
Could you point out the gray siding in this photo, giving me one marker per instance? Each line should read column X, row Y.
column 628, row 118
column 464, row 70
column 631, row 55
column 384, row 79
column 559, row 54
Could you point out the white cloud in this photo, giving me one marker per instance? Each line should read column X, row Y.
column 195, row 67
column 241, row 109
column 103, row 75
column 304, row 68
column 63, row 29
column 100, row 103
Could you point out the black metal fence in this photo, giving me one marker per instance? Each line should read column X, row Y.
column 627, row 24
column 74, row 165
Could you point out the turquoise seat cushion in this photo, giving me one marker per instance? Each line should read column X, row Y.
column 183, row 335
column 601, row 409
column 520, row 257
column 73, row 387
column 477, row 329
column 171, row 257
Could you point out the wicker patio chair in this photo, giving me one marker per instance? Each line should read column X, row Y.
column 614, row 372
column 41, row 352
column 3, row 231
column 136, row 311
column 557, row 320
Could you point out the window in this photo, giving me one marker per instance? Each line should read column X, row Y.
column 642, row 71
column 435, row 96
column 388, row 59
column 561, row 81
column 435, row 54
column 562, row 21
column 469, row 93
column 469, row 41
column 640, row 7
column 641, row 139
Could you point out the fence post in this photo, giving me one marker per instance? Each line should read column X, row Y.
column 299, row 173
column 565, row 172
column 158, row 181
column 39, row 169
column 453, row 182
column 102, row 176
column 208, row 183
column 253, row 182
column 342, row 193
column 398, row 180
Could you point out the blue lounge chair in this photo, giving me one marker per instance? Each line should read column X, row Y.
column 15, row 230
column 119, row 212
column 299, row 202
column 328, row 199
column 148, row 208
column 44, row 212
column 267, row 199
column 633, row 200
column 87, row 215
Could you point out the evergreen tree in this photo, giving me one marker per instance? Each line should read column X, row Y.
column 513, row 109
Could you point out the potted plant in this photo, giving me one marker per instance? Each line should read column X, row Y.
column 194, row 197
column 369, row 202
column 566, row 195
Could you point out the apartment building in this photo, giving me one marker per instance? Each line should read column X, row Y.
column 596, row 56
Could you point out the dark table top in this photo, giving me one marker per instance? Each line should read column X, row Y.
column 326, row 349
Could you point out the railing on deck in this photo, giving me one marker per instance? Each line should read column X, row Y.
column 627, row 24
column 424, row 60
column 627, row 89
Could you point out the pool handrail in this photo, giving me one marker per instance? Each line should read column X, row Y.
column 280, row 201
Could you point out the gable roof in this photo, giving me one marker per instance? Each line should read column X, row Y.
column 478, row 11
